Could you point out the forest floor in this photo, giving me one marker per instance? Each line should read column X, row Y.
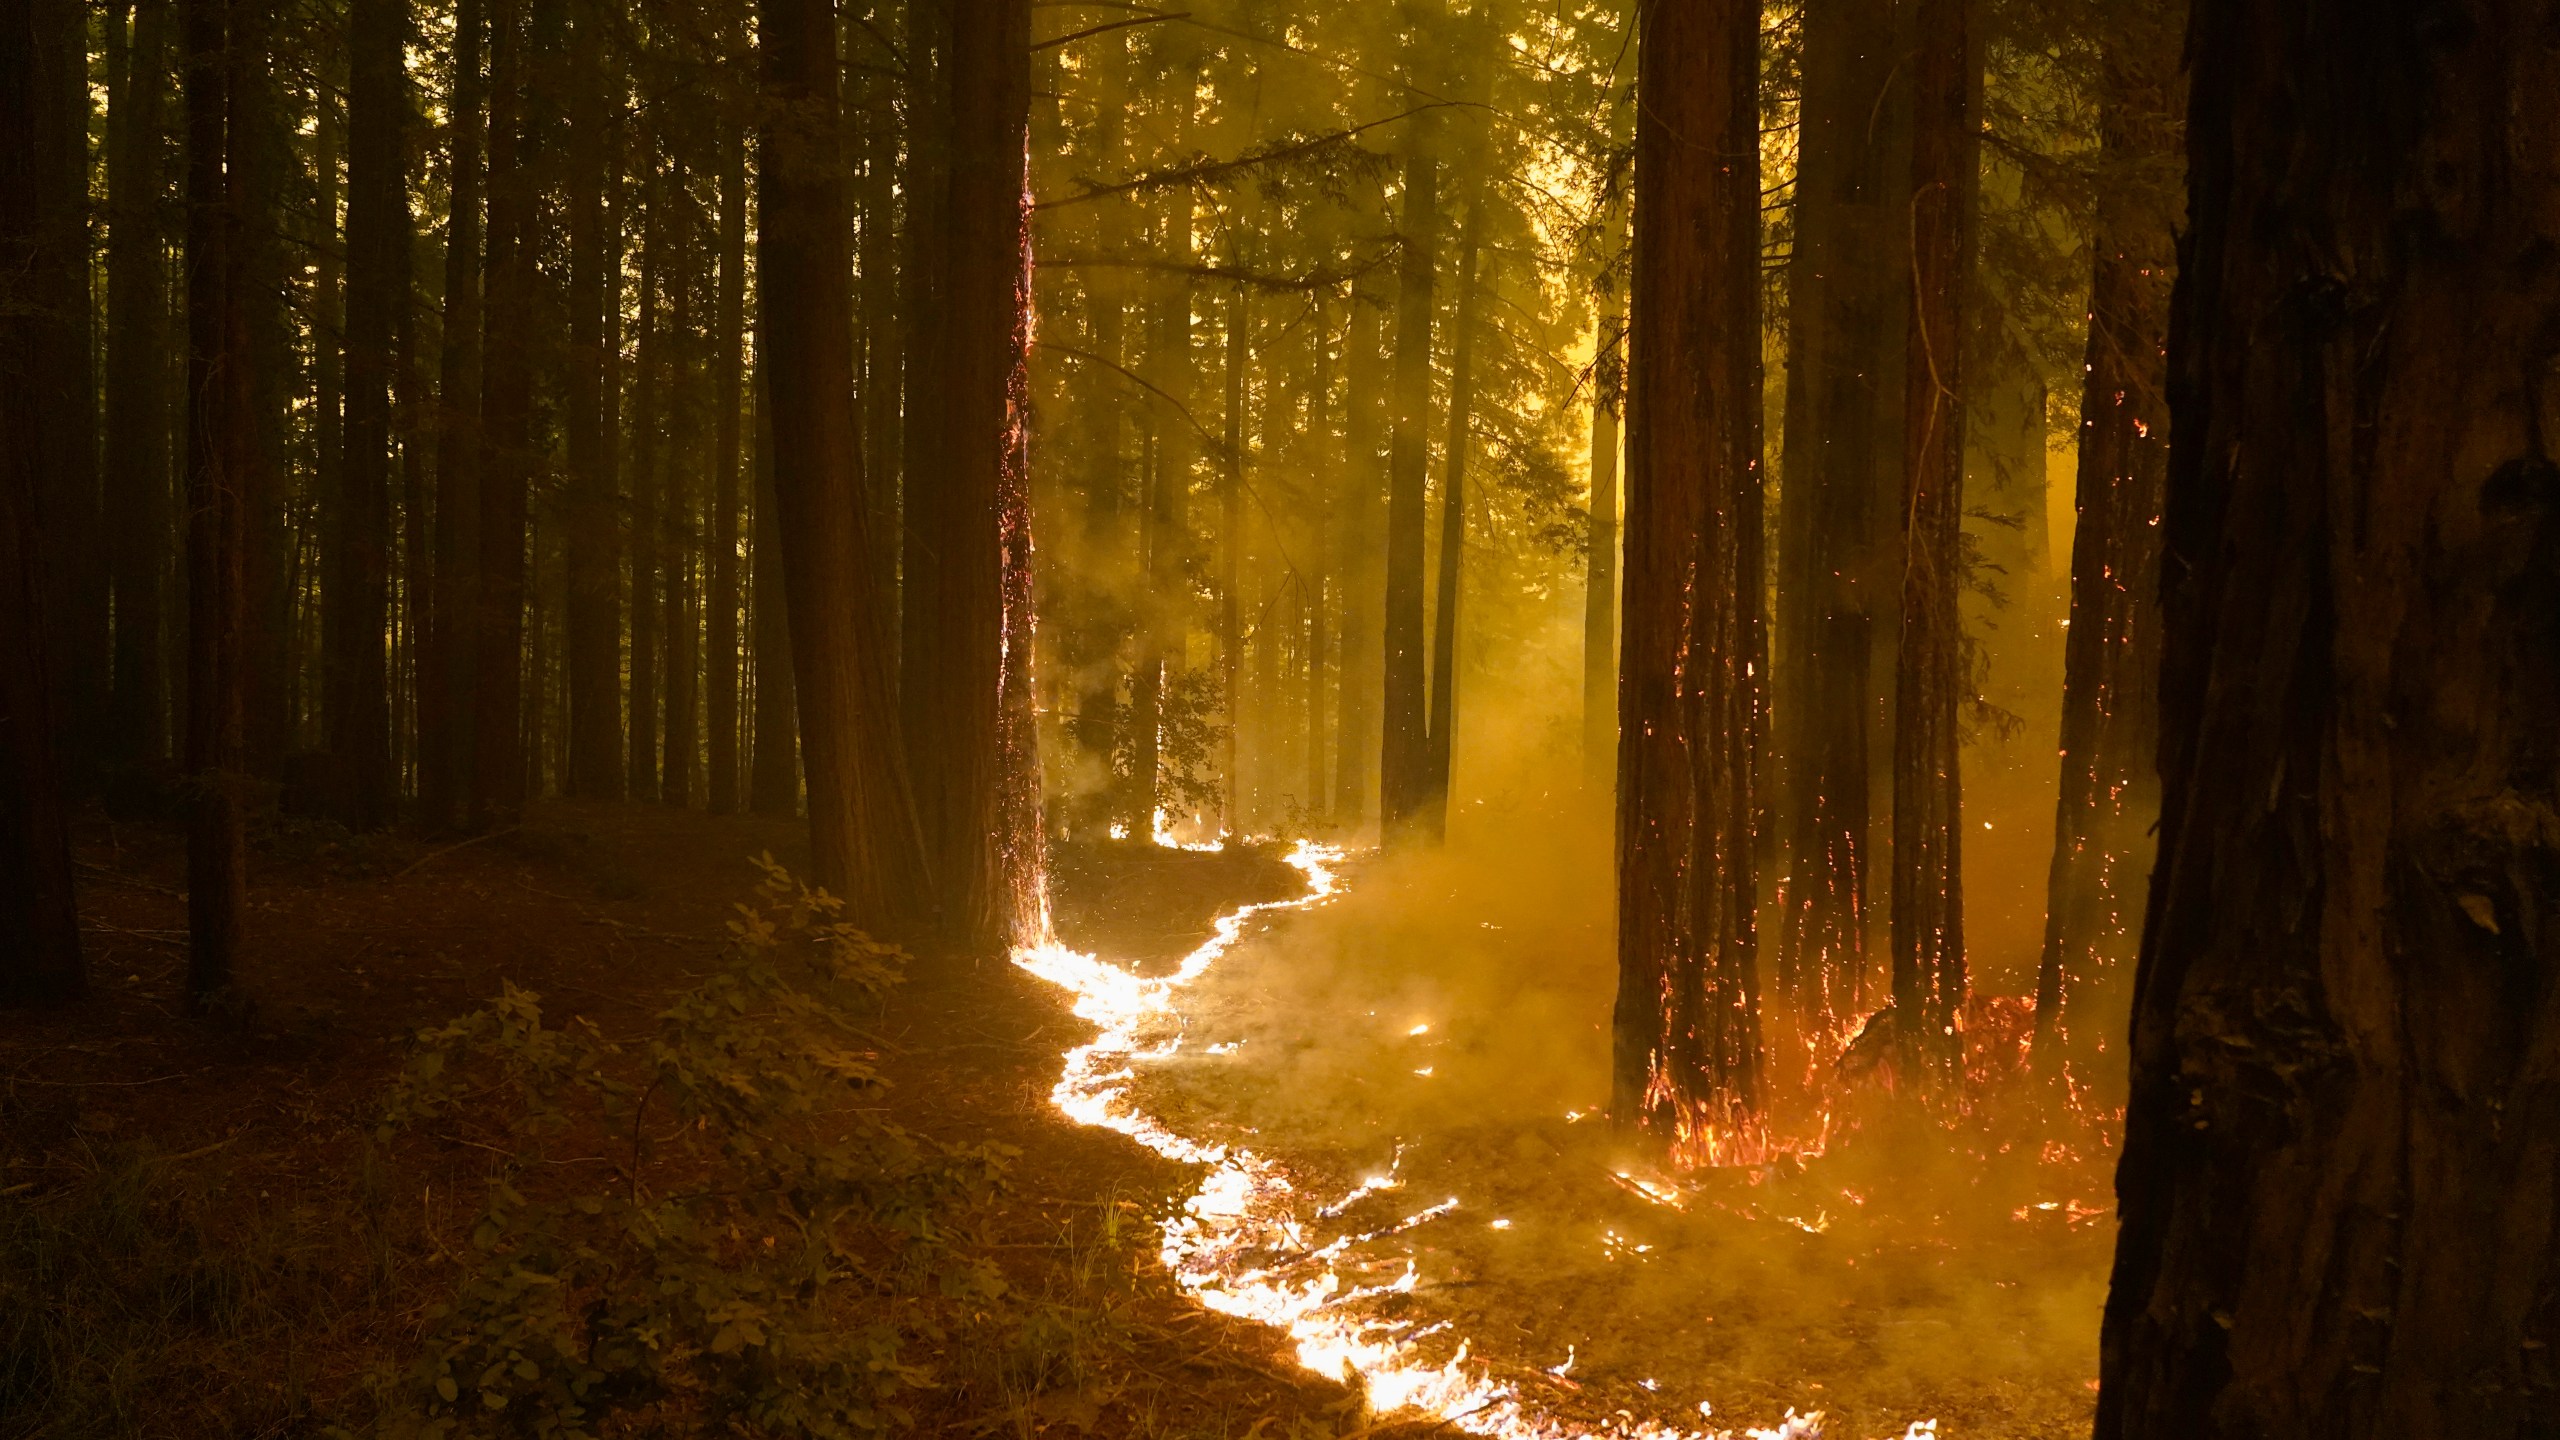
column 217, row 1250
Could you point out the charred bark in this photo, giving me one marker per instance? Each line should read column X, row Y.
column 1686, row 1028
column 2111, row 660
column 2336, row 1190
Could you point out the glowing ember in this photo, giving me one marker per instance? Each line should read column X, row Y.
column 1238, row 1244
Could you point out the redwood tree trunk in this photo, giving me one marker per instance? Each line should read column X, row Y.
column 1686, row 1028
column 1362, row 564
column 862, row 830
column 219, row 443
column 2111, row 657
column 1600, row 597
column 727, row 331
column 1929, row 674
column 773, row 781
column 358, row 688
column 499, row 761
column 971, row 517
column 137, row 391
column 2336, row 1191
column 594, row 532
column 63, row 426
column 446, row 711
column 1845, row 336
column 1453, row 533
column 39, row 925
column 1404, row 756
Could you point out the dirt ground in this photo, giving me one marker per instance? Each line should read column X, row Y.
column 262, row 1312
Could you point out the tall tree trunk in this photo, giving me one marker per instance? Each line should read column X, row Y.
column 1929, row 675
column 862, row 827
column 1600, row 594
column 648, row 409
column 499, row 759
column 1686, row 1028
column 319, row 533
column 727, row 331
column 2111, row 658
column 39, row 921
column 1453, row 531
column 1231, row 522
column 1846, row 332
column 1173, row 453
column 2336, row 1190
column 1362, row 564
column 137, row 408
column 358, row 691
column 64, row 428
column 773, row 782
column 1326, row 463
column 593, row 524
column 924, row 278
column 448, row 712
column 1404, row 756
column 224, row 44
column 680, row 618
column 963, row 749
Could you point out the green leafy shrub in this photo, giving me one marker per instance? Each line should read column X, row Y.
column 717, row 1222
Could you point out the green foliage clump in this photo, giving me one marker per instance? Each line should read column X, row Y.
column 715, row 1222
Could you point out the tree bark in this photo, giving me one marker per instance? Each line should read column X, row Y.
column 499, row 759
column 64, row 429
column 773, row 786
column 1929, row 675
column 681, row 618
column 1846, row 333
column 358, row 692
column 727, row 332
column 1686, row 1027
column 2109, row 791
column 1230, row 632
column 2336, row 1190
column 448, row 712
column 1404, row 748
column 594, row 532
column 862, row 828
column 1363, row 562
column 137, row 408
column 967, row 752
column 222, row 58
column 1434, row 814
column 40, row 957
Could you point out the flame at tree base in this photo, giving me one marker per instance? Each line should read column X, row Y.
column 1240, row 1244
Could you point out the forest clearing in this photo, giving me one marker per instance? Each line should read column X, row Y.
column 1552, row 719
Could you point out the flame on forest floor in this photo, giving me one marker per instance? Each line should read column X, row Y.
column 1240, row 1246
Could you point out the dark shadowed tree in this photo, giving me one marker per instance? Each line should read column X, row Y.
column 773, row 779
column 446, row 710
column 1404, row 748
column 969, row 751
column 136, row 477
column 728, row 323
column 1686, row 1028
column 1837, row 583
column 357, row 689
column 39, row 926
column 1600, row 595
column 1929, row 672
column 63, row 427
column 224, row 56
column 862, row 831
column 2111, row 660
column 2336, row 1189
column 593, row 509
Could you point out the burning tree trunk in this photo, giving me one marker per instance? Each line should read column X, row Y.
column 39, row 925
column 222, row 58
column 1687, row 1024
column 861, row 819
column 2111, row 661
column 970, row 748
column 2336, row 1187
column 1404, row 752
column 358, row 688
column 1843, row 425
column 1929, row 674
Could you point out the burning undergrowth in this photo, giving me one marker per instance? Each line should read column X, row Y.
column 1395, row 1090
